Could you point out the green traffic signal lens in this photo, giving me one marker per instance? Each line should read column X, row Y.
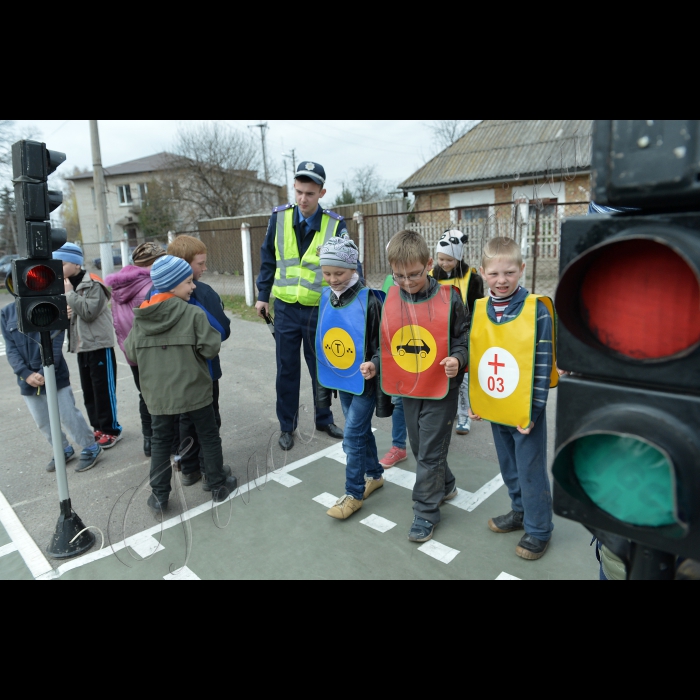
column 627, row 478
column 43, row 314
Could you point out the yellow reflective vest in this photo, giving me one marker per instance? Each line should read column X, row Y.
column 502, row 363
column 462, row 283
column 300, row 279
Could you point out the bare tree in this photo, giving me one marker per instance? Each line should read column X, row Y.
column 218, row 173
column 366, row 185
column 447, row 131
column 69, row 209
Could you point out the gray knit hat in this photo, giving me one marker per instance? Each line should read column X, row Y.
column 168, row 271
column 339, row 252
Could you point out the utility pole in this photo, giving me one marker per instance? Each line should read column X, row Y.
column 263, row 128
column 290, row 156
column 98, row 177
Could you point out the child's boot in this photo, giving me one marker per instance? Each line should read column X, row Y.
column 507, row 523
column 344, row 507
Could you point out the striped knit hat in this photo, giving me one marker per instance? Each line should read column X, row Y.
column 69, row 252
column 168, row 271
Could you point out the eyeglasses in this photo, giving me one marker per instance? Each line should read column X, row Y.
column 410, row 278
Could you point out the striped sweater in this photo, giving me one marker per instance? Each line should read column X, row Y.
column 543, row 350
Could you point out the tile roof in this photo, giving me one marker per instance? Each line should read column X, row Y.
column 148, row 164
column 503, row 149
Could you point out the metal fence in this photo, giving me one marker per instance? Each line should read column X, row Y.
column 535, row 225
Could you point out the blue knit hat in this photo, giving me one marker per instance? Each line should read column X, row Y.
column 69, row 252
column 168, row 271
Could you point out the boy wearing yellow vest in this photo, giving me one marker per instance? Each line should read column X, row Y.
column 511, row 360
column 450, row 268
column 422, row 354
column 346, row 338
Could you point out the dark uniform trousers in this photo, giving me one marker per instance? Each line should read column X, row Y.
column 295, row 325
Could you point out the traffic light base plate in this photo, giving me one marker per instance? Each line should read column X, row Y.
column 70, row 538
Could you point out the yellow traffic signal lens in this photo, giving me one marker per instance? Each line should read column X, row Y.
column 628, row 478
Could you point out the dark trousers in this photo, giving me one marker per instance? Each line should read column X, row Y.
column 193, row 458
column 98, row 380
column 429, row 425
column 143, row 409
column 295, row 325
column 523, row 462
column 204, row 421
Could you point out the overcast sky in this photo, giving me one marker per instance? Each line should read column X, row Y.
column 397, row 148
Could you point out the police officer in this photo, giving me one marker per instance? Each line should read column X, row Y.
column 291, row 271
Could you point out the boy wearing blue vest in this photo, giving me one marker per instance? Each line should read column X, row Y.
column 346, row 338
column 511, row 350
column 423, row 350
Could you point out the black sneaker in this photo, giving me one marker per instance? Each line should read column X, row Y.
column 221, row 493
column 88, row 458
column 69, row 453
column 530, row 547
column 193, row 478
column 205, row 484
column 421, row 530
column 507, row 523
column 157, row 507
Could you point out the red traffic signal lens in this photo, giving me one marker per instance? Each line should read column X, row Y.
column 637, row 296
column 43, row 314
column 39, row 277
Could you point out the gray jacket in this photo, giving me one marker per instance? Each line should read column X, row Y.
column 91, row 325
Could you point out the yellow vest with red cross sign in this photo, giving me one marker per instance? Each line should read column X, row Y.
column 502, row 363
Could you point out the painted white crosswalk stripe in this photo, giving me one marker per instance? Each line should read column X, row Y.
column 503, row 576
column 326, row 499
column 183, row 574
column 438, row 551
column 376, row 522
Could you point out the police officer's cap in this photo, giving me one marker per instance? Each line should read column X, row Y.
column 312, row 170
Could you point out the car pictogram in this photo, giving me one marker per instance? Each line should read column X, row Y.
column 416, row 346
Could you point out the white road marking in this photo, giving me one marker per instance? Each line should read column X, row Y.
column 376, row 522
column 326, row 499
column 36, row 562
column 8, row 549
column 285, row 479
column 145, row 545
column 183, row 574
column 2, row 347
column 438, row 551
column 503, row 576
column 464, row 500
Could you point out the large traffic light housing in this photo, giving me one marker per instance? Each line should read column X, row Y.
column 628, row 303
column 37, row 279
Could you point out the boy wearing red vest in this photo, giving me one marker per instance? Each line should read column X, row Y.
column 511, row 357
column 422, row 354
column 91, row 336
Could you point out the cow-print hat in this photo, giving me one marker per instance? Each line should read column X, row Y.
column 452, row 243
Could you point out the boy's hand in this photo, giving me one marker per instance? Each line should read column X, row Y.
column 67, row 285
column 451, row 365
column 525, row 431
column 35, row 380
column 368, row 370
column 261, row 306
column 473, row 415
column 70, row 311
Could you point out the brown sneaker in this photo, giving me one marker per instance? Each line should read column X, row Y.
column 371, row 485
column 392, row 457
column 344, row 507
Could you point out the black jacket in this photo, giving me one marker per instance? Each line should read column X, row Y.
column 374, row 316
column 24, row 354
column 459, row 326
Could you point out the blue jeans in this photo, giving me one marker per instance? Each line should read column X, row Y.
column 523, row 462
column 398, row 424
column 359, row 444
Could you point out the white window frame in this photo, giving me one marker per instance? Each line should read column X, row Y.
column 143, row 190
column 123, row 190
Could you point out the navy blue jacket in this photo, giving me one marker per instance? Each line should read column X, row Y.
column 24, row 354
column 211, row 301
column 268, row 258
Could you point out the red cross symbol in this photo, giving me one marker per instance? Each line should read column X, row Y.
column 496, row 364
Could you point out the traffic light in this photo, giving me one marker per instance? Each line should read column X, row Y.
column 628, row 303
column 37, row 279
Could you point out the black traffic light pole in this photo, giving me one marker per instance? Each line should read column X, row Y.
column 70, row 537
column 37, row 283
